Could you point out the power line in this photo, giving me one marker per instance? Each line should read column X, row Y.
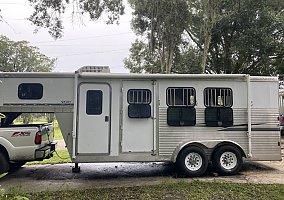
column 80, row 38
column 90, row 53
column 81, row 45
column 14, row 3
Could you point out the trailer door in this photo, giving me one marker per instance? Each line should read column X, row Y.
column 93, row 119
column 138, row 125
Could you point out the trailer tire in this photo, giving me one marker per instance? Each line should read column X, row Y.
column 227, row 160
column 192, row 161
column 4, row 163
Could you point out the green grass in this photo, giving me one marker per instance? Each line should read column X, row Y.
column 64, row 158
column 57, row 131
column 2, row 175
column 180, row 190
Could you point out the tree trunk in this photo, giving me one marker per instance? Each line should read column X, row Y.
column 210, row 14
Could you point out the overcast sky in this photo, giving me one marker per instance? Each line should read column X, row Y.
column 91, row 43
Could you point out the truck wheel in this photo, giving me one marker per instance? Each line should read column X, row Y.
column 16, row 165
column 192, row 161
column 227, row 160
column 4, row 164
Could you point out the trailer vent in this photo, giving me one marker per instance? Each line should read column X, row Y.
column 96, row 69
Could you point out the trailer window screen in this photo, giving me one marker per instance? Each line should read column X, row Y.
column 218, row 97
column 139, row 96
column 139, row 101
column 94, row 102
column 181, row 96
column 181, row 116
column 218, row 116
column 32, row 91
column 139, row 111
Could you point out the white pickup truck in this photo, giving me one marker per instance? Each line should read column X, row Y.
column 23, row 142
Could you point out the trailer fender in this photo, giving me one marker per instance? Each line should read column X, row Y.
column 205, row 145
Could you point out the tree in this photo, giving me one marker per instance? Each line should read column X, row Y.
column 248, row 38
column 20, row 57
column 48, row 13
column 227, row 36
column 162, row 22
column 142, row 59
column 186, row 59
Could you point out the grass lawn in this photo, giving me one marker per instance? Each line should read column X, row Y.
column 180, row 190
column 62, row 158
column 57, row 131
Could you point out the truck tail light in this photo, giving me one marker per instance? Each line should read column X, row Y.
column 38, row 137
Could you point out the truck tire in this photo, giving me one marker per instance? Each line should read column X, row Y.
column 192, row 161
column 16, row 165
column 4, row 163
column 227, row 160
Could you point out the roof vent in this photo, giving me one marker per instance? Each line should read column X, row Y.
column 96, row 69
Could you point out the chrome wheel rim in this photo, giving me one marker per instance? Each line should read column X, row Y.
column 228, row 160
column 193, row 161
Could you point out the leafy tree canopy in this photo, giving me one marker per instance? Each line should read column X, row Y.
column 48, row 13
column 240, row 36
column 248, row 38
column 21, row 57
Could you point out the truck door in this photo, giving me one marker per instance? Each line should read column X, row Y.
column 93, row 119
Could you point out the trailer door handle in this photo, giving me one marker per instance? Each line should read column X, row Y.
column 106, row 118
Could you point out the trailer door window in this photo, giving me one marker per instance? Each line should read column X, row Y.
column 218, row 103
column 181, row 102
column 94, row 102
column 139, row 101
column 33, row 91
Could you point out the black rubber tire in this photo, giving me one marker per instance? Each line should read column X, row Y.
column 17, row 165
column 218, row 165
column 4, row 163
column 181, row 162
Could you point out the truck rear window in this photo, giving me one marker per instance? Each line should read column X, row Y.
column 30, row 91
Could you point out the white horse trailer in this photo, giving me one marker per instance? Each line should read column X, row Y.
column 189, row 120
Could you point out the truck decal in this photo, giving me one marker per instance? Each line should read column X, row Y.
column 21, row 133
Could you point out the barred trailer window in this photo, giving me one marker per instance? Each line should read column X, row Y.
column 181, row 96
column 218, row 97
column 139, row 101
column 139, row 96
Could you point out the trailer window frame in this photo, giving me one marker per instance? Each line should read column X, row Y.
column 216, row 97
column 182, row 113
column 94, row 102
column 139, row 101
column 171, row 96
column 133, row 96
column 30, row 91
column 218, row 102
